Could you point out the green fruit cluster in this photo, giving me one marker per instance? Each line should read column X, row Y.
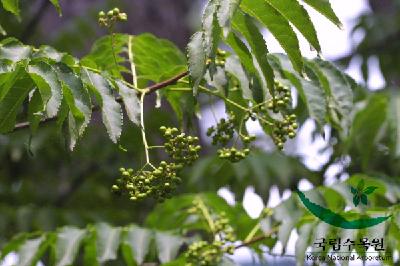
column 220, row 58
column 209, row 253
column 223, row 133
column 232, row 154
column 112, row 16
column 159, row 183
column 284, row 129
column 282, row 99
column 181, row 148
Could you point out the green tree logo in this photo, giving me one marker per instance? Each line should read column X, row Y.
column 360, row 194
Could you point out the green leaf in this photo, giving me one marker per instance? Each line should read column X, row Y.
column 356, row 200
column 102, row 54
column 14, row 50
column 155, row 58
column 247, row 60
column 56, row 4
column 183, row 103
column 364, row 199
column 11, row 104
column 13, row 245
column 244, row 24
column 108, row 239
column 361, row 185
column 12, row 6
column 168, row 246
column 353, row 190
column 138, row 240
column 226, row 11
column 394, row 120
column 9, row 74
column 235, row 68
column 211, row 28
column 35, row 111
column 2, row 31
column 278, row 26
column 370, row 190
column 364, row 134
column 111, row 110
column 78, row 101
column 295, row 13
column 325, row 8
column 197, row 60
column 45, row 78
column 67, row 246
column 131, row 102
column 336, row 86
column 90, row 257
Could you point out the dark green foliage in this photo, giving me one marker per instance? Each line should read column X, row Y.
column 40, row 85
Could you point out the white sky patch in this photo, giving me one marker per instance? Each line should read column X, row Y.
column 227, row 195
column 252, row 203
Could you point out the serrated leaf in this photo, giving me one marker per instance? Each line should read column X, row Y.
column 35, row 111
column 325, row 8
column 246, row 59
column 295, row 13
column 67, row 246
column 197, row 60
column 168, row 246
column 11, row 104
column 14, row 50
column 211, row 27
column 45, row 78
column 278, row 26
column 131, row 102
column 11, row 6
column 9, row 74
column 29, row 251
column 62, row 115
column 56, row 4
column 78, row 101
column 353, row 190
column 226, row 11
column 138, row 239
column 108, row 240
column 311, row 94
column 111, row 110
column 235, row 68
column 336, row 86
column 245, row 25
